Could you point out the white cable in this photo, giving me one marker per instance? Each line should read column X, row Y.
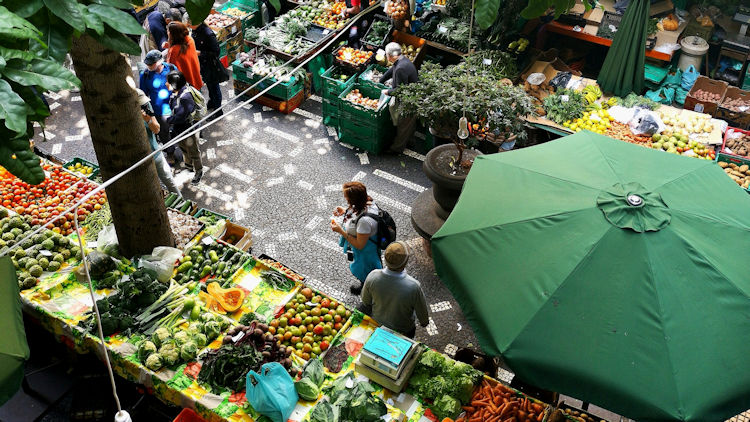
column 96, row 313
column 195, row 128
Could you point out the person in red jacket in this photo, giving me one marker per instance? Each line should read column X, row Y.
column 182, row 53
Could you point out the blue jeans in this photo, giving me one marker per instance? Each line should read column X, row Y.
column 214, row 96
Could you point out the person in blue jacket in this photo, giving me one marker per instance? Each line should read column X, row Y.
column 153, row 82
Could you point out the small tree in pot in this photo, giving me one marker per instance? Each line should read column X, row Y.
column 442, row 96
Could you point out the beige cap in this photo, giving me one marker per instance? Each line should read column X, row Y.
column 396, row 256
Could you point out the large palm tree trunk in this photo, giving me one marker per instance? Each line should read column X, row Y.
column 119, row 138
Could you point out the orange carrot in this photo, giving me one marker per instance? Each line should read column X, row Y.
column 468, row 409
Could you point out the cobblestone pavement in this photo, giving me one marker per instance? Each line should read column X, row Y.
column 281, row 175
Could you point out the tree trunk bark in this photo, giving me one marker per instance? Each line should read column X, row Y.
column 119, row 139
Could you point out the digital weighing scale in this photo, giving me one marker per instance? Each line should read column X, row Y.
column 388, row 358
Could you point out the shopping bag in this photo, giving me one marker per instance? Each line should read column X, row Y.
column 673, row 79
column 680, row 95
column 688, row 77
column 271, row 392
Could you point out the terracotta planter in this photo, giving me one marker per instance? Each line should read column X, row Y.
column 447, row 183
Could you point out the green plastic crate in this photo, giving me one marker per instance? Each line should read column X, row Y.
column 252, row 20
column 77, row 160
column 368, row 129
column 364, row 81
column 332, row 86
column 330, row 112
column 733, row 159
column 252, row 4
column 350, row 110
column 283, row 91
column 654, row 75
column 202, row 211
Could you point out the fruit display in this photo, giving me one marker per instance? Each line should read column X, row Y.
column 446, row 383
column 397, row 9
column 377, row 32
column 493, row 401
column 518, row 46
column 210, row 259
column 45, row 251
column 184, row 227
column 219, row 21
column 409, row 51
column 244, row 348
column 691, row 125
column 707, row 96
column 678, row 143
column 439, row 2
column 353, row 56
column 595, row 121
column 356, row 97
column 236, row 12
column 592, row 93
column 308, row 323
column 47, row 200
column 575, row 415
column 81, row 169
column 737, row 104
column 322, row 13
column 737, row 143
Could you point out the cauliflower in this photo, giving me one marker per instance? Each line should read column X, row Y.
column 200, row 340
column 212, row 330
column 188, row 351
column 145, row 349
column 195, row 328
column 170, row 353
column 160, row 336
column 181, row 337
column 154, row 362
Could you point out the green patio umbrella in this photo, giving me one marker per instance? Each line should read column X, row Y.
column 13, row 348
column 610, row 272
column 622, row 71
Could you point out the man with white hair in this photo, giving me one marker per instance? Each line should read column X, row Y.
column 402, row 71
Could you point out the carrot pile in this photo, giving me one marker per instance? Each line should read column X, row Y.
column 497, row 403
column 622, row 132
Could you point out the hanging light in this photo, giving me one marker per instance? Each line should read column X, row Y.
column 463, row 128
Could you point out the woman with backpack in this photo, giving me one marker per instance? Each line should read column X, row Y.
column 359, row 233
column 183, row 105
column 182, row 53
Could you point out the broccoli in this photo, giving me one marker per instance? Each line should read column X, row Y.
column 154, row 362
column 109, row 323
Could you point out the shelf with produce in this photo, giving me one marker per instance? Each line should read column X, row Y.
column 378, row 33
column 264, row 70
column 265, row 291
column 184, row 227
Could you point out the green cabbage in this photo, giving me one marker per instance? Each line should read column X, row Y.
column 314, row 371
column 307, row 389
column 446, row 407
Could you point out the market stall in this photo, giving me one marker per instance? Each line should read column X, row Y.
column 179, row 320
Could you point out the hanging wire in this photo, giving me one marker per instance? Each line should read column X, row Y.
column 84, row 255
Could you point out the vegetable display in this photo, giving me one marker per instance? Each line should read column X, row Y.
column 309, row 323
column 706, row 96
column 596, row 121
column 218, row 21
column 47, row 200
column 374, row 75
column 234, row 11
column 740, row 174
column 496, row 402
column 328, row 14
column 564, row 105
column 135, row 293
column 277, row 280
column 281, row 268
column 215, row 260
column 738, row 143
column 446, row 383
column 378, row 30
column 349, row 400
column 313, row 375
column 45, row 251
column 634, row 100
column 244, row 349
column 397, row 9
column 96, row 222
column 184, row 227
column 81, row 168
column 737, row 104
column 222, row 300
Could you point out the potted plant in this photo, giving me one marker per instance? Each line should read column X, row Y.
column 472, row 89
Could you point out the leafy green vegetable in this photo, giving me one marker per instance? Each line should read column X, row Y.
column 351, row 404
column 633, row 100
column 228, row 366
column 277, row 280
column 307, row 389
column 564, row 105
column 446, row 407
column 314, row 371
column 324, row 412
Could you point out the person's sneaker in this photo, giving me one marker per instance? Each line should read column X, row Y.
column 197, row 177
column 189, row 168
column 356, row 288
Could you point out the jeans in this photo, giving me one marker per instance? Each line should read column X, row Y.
column 214, row 96
column 165, row 173
column 191, row 152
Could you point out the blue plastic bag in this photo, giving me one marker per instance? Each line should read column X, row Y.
column 688, row 77
column 271, row 393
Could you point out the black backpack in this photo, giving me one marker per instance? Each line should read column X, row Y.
column 386, row 228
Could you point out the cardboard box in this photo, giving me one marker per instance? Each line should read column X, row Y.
column 540, row 67
column 710, row 85
column 229, row 31
column 738, row 119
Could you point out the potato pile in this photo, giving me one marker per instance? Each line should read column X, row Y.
column 740, row 174
column 706, row 96
column 736, row 104
column 739, row 146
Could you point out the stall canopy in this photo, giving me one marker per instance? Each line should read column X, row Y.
column 622, row 71
column 13, row 348
column 607, row 271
